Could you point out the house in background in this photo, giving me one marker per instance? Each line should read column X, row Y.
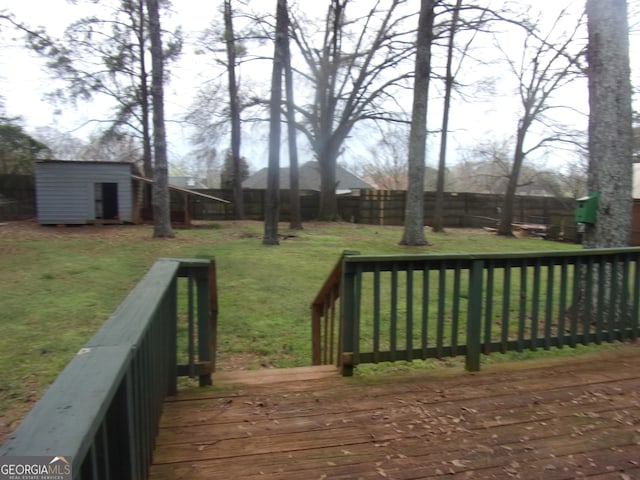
column 81, row 192
column 309, row 178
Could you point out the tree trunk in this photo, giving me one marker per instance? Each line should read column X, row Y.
column 272, row 204
column 234, row 111
column 610, row 123
column 295, row 222
column 161, row 201
column 145, row 97
column 414, row 211
column 506, row 218
column 328, row 183
column 438, row 222
column 326, row 102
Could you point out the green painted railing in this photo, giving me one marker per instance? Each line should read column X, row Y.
column 406, row 307
column 103, row 409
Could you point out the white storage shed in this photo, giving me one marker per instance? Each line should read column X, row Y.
column 82, row 192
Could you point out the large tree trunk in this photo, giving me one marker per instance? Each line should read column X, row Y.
column 328, row 183
column 145, row 97
column 295, row 222
column 414, row 212
column 272, row 204
column 234, row 111
column 326, row 102
column 610, row 157
column 610, row 123
column 161, row 201
column 438, row 222
column 506, row 218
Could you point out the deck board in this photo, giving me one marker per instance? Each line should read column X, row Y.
column 555, row 418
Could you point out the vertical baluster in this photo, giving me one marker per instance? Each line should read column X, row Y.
column 625, row 313
column 376, row 313
column 488, row 312
column 578, row 271
column 588, row 301
column 93, row 460
column 635, row 314
column 615, row 311
column 171, row 313
column 357, row 308
column 535, row 303
column 601, row 301
column 409, row 316
column 549, row 308
column 393, row 324
column 442, row 289
column 425, row 310
column 191, row 326
column 133, row 429
column 145, row 401
column 522, row 305
column 104, row 443
column 329, row 312
column 455, row 314
column 335, row 311
column 562, row 307
column 506, row 308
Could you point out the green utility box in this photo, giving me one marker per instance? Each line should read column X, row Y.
column 587, row 209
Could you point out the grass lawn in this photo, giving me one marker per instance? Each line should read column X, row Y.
column 59, row 284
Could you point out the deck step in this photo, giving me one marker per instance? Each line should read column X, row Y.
column 275, row 375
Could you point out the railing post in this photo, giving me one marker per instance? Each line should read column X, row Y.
column 171, row 317
column 474, row 317
column 213, row 306
column 204, row 325
column 316, row 329
column 348, row 314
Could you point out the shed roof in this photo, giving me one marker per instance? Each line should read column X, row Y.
column 84, row 162
column 182, row 190
column 309, row 175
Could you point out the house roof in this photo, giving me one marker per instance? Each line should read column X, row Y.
column 309, row 175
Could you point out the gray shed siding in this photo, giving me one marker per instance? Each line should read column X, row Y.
column 65, row 191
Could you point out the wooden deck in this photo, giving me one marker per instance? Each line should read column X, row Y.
column 557, row 418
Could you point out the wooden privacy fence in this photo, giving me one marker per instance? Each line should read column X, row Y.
column 405, row 307
column 103, row 409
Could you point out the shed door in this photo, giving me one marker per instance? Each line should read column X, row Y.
column 106, row 195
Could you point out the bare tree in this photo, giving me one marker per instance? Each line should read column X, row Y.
column 161, row 202
column 295, row 222
column 234, row 110
column 272, row 203
column 449, row 83
column 413, row 233
column 353, row 70
column 548, row 63
column 106, row 56
column 448, row 87
column 610, row 122
column 386, row 163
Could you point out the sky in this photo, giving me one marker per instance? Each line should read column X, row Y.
column 23, row 82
